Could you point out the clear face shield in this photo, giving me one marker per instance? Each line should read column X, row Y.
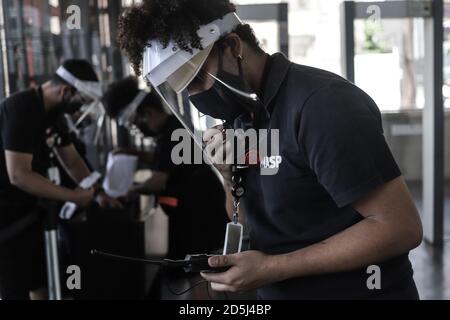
column 88, row 96
column 176, row 96
column 200, row 97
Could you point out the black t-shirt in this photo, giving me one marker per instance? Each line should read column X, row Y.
column 25, row 128
column 197, row 224
column 332, row 152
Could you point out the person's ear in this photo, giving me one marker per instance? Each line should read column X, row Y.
column 233, row 45
column 65, row 91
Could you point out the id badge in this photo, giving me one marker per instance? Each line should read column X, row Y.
column 233, row 238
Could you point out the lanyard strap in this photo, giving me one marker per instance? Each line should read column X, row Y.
column 237, row 191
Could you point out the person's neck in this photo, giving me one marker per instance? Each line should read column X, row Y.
column 255, row 70
column 47, row 96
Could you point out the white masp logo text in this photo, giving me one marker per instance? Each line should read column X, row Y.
column 272, row 162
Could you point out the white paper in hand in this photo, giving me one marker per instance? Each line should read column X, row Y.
column 120, row 174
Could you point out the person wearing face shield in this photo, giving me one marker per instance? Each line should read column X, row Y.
column 335, row 205
column 32, row 127
column 188, row 193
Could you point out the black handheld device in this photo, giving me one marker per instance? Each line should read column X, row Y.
column 191, row 264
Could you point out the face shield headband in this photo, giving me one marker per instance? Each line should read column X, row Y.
column 90, row 89
column 162, row 63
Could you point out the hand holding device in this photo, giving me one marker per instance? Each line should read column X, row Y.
column 191, row 264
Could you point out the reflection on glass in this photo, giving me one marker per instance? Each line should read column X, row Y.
column 389, row 62
column 33, row 50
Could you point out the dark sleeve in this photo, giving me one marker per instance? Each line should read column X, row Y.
column 20, row 127
column 60, row 127
column 342, row 138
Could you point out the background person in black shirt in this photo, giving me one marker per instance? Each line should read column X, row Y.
column 191, row 195
column 338, row 202
column 31, row 124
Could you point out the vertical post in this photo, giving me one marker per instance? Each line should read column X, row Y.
column 51, row 250
column 114, row 10
column 283, row 19
column 23, row 47
column 348, row 40
column 3, row 72
column 433, row 125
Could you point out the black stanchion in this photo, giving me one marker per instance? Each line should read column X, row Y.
column 51, row 249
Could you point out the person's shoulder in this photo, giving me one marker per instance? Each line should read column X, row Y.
column 18, row 100
column 337, row 95
column 28, row 94
column 323, row 82
column 314, row 75
column 306, row 84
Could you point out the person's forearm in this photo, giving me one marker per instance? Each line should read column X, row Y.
column 145, row 189
column 368, row 242
column 156, row 184
column 79, row 171
column 39, row 186
column 74, row 165
column 141, row 189
column 146, row 157
column 152, row 186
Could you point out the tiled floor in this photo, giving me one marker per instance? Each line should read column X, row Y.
column 432, row 271
column 432, row 265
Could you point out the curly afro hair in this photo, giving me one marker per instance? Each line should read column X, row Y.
column 167, row 20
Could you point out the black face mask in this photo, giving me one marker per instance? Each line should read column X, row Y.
column 221, row 102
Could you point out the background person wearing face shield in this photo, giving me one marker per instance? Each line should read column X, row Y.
column 32, row 126
column 337, row 202
column 191, row 195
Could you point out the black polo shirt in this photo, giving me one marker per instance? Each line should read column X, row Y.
column 332, row 152
column 24, row 128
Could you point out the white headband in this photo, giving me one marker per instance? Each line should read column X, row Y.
column 92, row 89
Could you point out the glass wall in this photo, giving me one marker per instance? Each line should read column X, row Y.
column 39, row 35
